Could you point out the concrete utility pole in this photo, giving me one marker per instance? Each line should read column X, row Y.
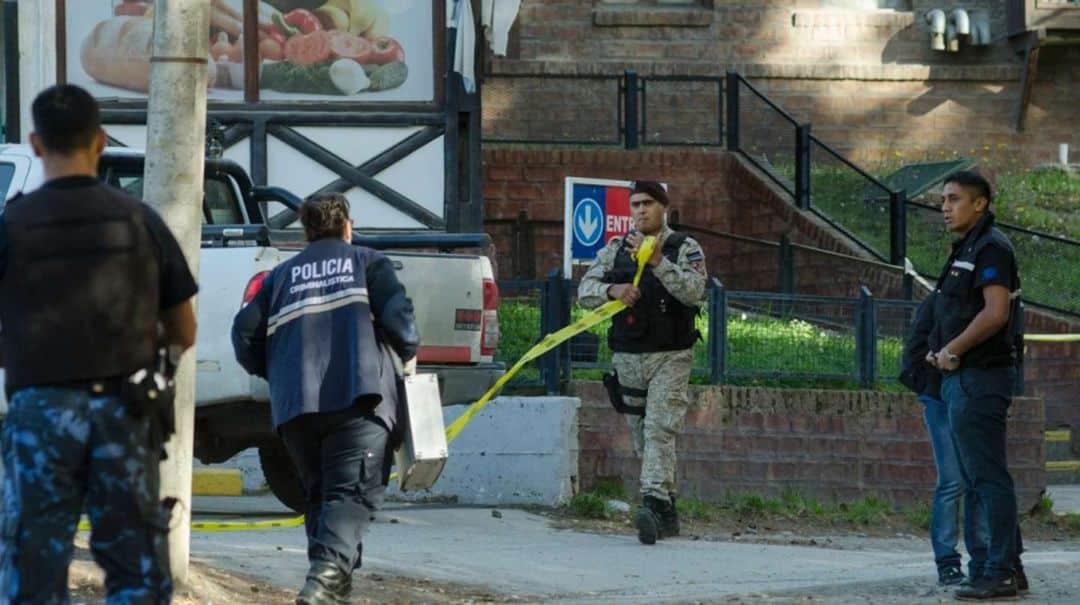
column 175, row 145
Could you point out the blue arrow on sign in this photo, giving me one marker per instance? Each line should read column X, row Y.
column 588, row 222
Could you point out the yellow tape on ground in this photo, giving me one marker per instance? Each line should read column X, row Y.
column 221, row 526
column 549, row 342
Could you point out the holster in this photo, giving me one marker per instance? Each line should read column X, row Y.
column 151, row 392
column 616, row 392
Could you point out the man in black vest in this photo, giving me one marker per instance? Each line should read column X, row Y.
column 972, row 341
column 91, row 284
column 653, row 344
column 318, row 330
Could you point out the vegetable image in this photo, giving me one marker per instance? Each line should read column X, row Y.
column 304, row 20
column 386, row 50
column 388, row 76
column 348, row 46
column 131, row 8
column 333, row 17
column 348, row 76
column 288, row 5
column 308, row 49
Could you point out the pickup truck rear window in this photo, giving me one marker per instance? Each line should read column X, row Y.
column 220, row 203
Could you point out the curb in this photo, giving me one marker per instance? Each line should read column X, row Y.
column 216, row 482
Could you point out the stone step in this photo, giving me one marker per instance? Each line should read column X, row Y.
column 1058, row 446
column 1063, row 472
column 1057, row 450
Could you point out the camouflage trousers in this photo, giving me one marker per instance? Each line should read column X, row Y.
column 666, row 377
column 63, row 447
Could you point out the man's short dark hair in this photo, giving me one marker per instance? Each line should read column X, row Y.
column 324, row 215
column 66, row 118
column 972, row 180
column 651, row 188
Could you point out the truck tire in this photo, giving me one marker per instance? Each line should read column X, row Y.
column 281, row 476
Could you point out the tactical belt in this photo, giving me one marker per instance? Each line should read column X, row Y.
column 616, row 392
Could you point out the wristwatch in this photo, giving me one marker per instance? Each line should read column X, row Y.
column 949, row 355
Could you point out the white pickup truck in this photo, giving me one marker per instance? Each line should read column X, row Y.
column 454, row 294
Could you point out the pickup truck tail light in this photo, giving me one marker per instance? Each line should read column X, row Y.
column 489, row 328
column 254, row 285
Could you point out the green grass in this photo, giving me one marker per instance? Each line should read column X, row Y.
column 692, row 508
column 610, row 488
column 762, row 350
column 870, row 509
column 1045, row 506
column 1042, row 200
column 589, row 505
column 919, row 515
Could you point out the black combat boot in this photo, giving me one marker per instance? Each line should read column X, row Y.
column 669, row 520
column 326, row 585
column 649, row 519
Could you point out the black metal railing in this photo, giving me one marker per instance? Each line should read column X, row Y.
column 747, row 337
column 873, row 215
column 627, row 109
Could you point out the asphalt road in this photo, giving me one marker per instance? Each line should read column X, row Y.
column 519, row 554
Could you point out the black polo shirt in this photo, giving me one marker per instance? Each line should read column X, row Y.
column 981, row 258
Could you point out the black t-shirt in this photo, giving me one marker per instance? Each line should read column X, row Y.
column 177, row 283
column 993, row 266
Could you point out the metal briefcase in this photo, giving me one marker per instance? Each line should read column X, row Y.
column 423, row 452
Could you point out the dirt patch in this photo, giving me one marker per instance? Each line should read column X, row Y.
column 208, row 586
column 809, row 530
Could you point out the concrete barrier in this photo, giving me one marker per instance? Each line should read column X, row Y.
column 518, row 450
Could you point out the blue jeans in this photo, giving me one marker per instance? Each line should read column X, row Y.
column 951, row 487
column 978, row 401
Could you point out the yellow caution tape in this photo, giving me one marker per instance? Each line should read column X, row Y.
column 549, row 342
column 1051, row 337
column 553, row 340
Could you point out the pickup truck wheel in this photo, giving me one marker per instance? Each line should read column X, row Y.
column 281, row 476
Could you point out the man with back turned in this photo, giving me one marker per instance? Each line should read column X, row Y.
column 93, row 288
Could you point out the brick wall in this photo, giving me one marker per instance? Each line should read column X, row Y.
column 719, row 190
column 829, row 444
column 867, row 80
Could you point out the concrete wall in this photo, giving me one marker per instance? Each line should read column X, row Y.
column 517, row 450
column 829, row 444
column 867, row 80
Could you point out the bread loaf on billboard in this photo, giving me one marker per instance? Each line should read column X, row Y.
column 118, row 52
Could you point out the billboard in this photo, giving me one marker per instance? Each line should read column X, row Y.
column 309, row 50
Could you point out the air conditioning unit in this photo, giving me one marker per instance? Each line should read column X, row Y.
column 1055, row 17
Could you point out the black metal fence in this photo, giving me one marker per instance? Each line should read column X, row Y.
column 747, row 337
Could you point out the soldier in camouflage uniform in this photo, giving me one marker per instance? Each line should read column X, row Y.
column 653, row 345
column 92, row 283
